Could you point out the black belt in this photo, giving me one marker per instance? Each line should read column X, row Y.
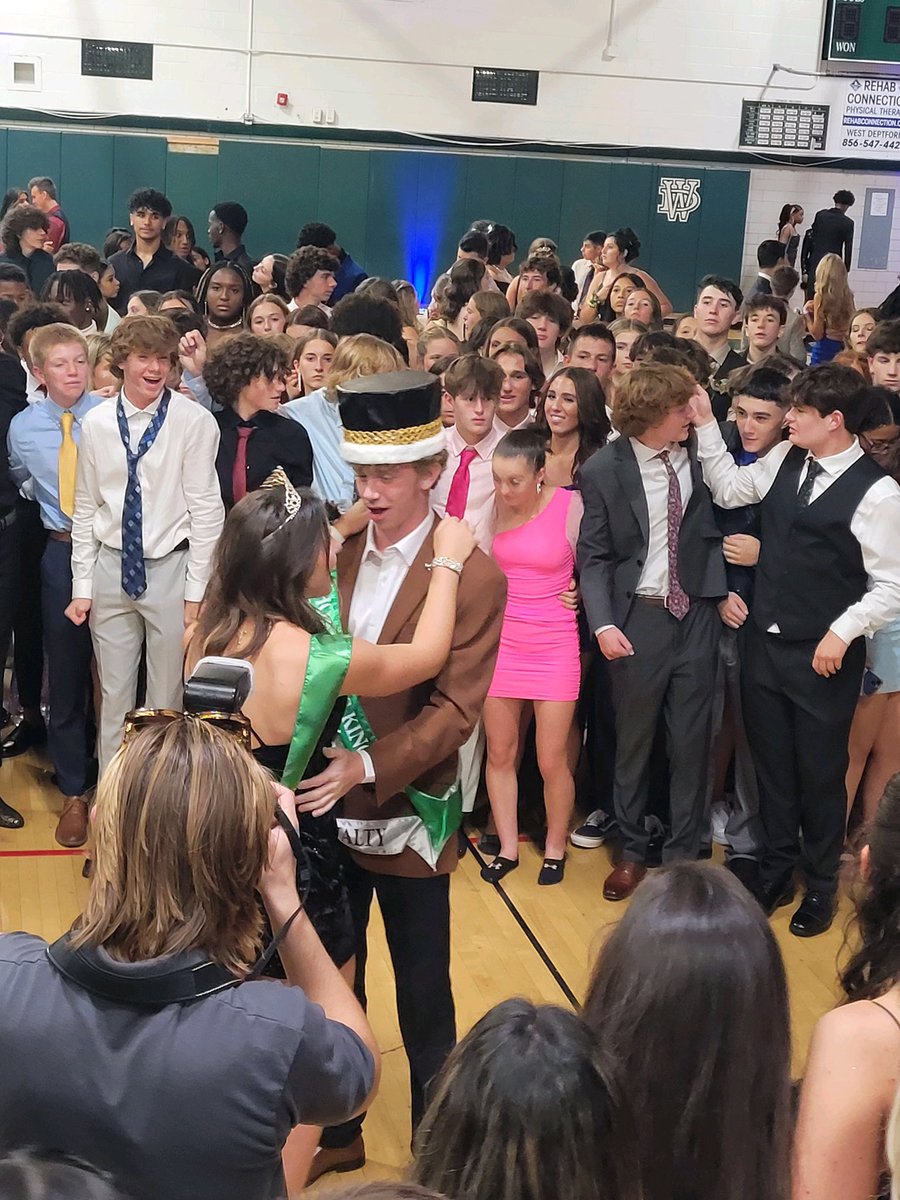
column 182, row 545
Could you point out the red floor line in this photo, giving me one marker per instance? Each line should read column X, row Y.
column 36, row 853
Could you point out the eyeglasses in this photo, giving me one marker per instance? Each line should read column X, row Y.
column 236, row 725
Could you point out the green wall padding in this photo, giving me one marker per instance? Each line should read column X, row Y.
column 398, row 212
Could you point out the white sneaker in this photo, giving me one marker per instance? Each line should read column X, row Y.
column 719, row 819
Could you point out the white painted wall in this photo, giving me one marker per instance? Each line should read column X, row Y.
column 659, row 73
column 773, row 187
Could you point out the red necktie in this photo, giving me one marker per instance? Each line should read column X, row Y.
column 239, row 470
column 459, row 486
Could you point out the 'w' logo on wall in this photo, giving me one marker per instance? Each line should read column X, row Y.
column 678, row 198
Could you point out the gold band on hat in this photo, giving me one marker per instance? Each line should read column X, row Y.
column 393, row 437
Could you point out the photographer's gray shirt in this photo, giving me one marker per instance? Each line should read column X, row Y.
column 186, row 1101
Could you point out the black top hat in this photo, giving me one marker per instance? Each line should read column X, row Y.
column 391, row 418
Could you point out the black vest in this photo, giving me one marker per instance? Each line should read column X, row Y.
column 810, row 566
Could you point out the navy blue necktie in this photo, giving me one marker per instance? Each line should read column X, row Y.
column 134, row 572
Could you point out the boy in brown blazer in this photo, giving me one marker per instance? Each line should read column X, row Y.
column 402, row 804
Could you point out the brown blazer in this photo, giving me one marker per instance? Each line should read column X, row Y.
column 420, row 730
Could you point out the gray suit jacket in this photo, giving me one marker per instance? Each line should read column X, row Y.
column 615, row 534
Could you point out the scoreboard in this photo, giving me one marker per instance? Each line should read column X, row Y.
column 862, row 31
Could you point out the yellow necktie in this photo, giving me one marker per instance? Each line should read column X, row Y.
column 68, row 460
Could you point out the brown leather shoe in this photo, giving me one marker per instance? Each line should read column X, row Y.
column 72, row 829
column 621, row 882
column 347, row 1158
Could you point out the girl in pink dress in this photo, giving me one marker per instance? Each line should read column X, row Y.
column 538, row 663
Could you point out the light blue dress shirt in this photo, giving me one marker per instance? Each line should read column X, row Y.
column 333, row 478
column 35, row 436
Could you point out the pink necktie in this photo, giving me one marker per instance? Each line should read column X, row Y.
column 239, row 470
column 677, row 601
column 459, row 486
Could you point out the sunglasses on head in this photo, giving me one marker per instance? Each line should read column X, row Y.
column 236, row 725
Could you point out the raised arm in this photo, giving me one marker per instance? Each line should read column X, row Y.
column 386, row 670
column 731, row 486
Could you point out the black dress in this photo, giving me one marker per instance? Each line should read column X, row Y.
column 326, row 905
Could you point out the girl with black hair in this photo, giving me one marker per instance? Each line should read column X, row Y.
column 854, row 1060
column 619, row 251
column 689, row 1000
column 224, row 294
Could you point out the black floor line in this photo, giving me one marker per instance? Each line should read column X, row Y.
column 529, row 933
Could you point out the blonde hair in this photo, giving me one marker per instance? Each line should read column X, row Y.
column 361, row 354
column 181, row 830
column 48, row 336
column 833, row 297
column 97, row 348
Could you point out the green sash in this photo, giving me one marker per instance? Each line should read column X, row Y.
column 326, row 668
column 440, row 815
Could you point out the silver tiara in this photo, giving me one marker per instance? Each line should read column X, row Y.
column 293, row 501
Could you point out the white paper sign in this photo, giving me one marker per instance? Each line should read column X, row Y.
column 878, row 204
column 870, row 120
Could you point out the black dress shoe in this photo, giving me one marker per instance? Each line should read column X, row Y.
column 23, row 737
column 775, row 893
column 9, row 817
column 815, row 914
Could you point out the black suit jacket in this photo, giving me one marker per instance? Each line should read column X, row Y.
column 615, row 535
column 831, row 233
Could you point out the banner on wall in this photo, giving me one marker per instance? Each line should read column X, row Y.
column 678, row 197
column 870, row 118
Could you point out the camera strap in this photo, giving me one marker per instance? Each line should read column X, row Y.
column 171, row 985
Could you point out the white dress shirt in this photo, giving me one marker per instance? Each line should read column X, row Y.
column 874, row 524
column 179, row 488
column 480, row 501
column 654, row 578
column 380, row 576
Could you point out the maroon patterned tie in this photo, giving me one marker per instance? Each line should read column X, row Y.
column 677, row 601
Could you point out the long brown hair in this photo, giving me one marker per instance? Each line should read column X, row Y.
column 261, row 572
column 181, row 831
column 523, row 1111
column 593, row 423
column 689, row 1000
column 874, row 967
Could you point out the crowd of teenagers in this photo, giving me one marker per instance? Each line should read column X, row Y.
column 533, row 543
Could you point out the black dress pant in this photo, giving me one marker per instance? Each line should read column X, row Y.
column 416, row 915
column 69, row 664
column 9, row 584
column 798, row 727
column 671, row 674
column 29, row 636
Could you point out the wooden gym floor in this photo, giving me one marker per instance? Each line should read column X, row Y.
column 41, row 891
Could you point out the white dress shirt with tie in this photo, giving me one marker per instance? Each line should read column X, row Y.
column 179, row 489
column 654, row 578
column 380, row 576
column 480, row 501
column 874, row 524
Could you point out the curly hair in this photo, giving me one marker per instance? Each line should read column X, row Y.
column 303, row 264
column 145, row 333
column 17, row 220
column 85, row 256
column 647, row 395
column 33, row 316
column 465, row 280
column 234, row 363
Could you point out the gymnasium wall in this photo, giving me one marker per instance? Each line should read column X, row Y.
column 399, row 212
column 617, row 72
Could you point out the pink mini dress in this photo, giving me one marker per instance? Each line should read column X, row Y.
column 538, row 657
